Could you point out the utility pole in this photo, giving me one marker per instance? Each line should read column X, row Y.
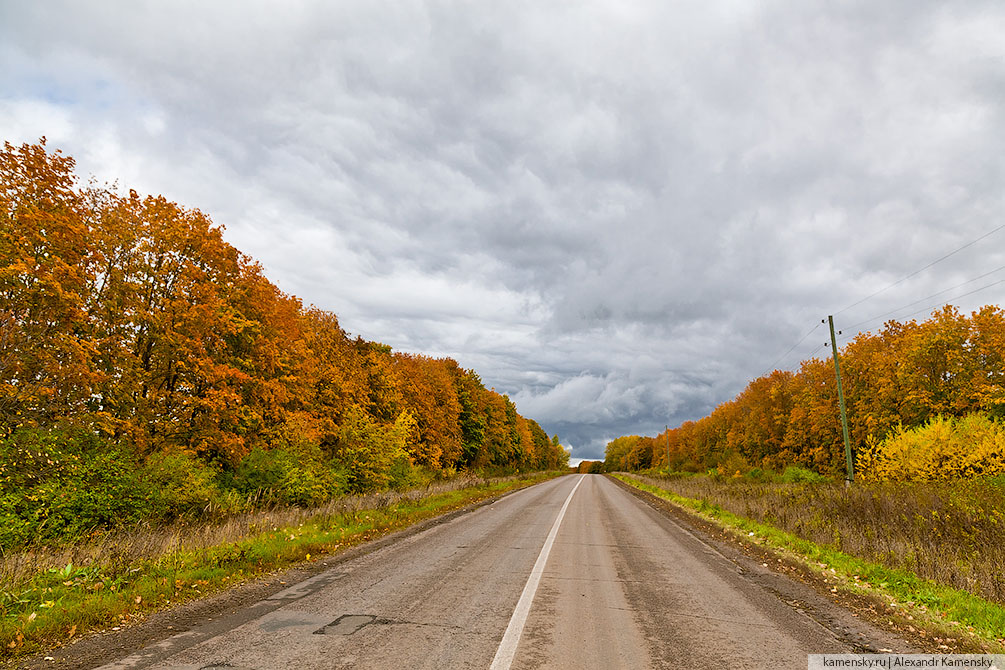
column 850, row 477
column 668, row 449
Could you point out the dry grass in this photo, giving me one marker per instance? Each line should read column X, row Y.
column 950, row 532
column 117, row 551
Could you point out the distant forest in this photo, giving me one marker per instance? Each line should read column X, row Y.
column 127, row 322
column 924, row 400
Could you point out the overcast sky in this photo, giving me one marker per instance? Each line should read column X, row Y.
column 616, row 212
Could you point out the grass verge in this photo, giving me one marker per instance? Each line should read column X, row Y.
column 950, row 532
column 926, row 604
column 57, row 605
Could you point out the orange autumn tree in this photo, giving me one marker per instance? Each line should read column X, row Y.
column 268, row 349
column 130, row 318
column 45, row 269
column 428, row 391
column 165, row 314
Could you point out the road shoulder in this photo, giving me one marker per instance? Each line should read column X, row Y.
column 864, row 623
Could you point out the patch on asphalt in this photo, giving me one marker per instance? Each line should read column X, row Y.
column 347, row 624
column 277, row 621
column 307, row 586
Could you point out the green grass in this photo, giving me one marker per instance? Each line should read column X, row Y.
column 59, row 604
column 938, row 606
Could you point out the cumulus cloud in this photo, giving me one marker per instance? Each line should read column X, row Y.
column 618, row 214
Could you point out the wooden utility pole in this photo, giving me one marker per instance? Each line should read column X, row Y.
column 668, row 449
column 850, row 477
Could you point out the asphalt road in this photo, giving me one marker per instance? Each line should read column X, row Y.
column 617, row 584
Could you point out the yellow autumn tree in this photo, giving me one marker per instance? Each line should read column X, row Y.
column 367, row 449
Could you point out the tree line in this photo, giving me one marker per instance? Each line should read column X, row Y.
column 899, row 378
column 129, row 318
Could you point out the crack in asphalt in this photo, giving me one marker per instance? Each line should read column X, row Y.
column 347, row 624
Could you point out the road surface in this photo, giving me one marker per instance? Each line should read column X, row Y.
column 572, row 573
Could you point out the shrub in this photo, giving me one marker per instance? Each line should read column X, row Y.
column 797, row 475
column 66, row 483
column 943, row 448
column 15, row 530
column 182, row 485
column 104, row 492
column 260, row 470
column 403, row 475
column 733, row 465
column 294, row 479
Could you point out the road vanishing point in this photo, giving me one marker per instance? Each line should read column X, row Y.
column 575, row 572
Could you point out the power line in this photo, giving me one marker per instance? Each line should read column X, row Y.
column 816, row 349
column 899, row 281
column 964, row 295
column 801, row 340
column 916, row 272
column 912, row 304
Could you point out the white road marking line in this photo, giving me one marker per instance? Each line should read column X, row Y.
column 507, row 648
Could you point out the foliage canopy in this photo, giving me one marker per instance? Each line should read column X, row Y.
column 128, row 326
